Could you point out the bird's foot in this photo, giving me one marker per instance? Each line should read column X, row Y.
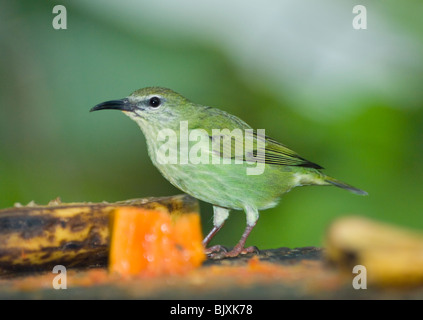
column 241, row 250
column 218, row 253
column 215, row 250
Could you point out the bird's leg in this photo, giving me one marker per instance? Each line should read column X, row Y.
column 219, row 216
column 208, row 238
column 239, row 248
column 252, row 217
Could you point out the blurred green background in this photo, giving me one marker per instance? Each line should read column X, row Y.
column 349, row 100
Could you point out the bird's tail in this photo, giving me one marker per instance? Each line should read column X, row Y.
column 345, row 186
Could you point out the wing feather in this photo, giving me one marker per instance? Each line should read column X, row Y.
column 274, row 152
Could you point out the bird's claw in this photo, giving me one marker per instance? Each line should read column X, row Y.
column 252, row 249
column 239, row 250
column 220, row 252
column 211, row 251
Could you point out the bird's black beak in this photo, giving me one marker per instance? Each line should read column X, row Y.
column 122, row 105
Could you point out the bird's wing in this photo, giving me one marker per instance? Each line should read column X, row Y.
column 277, row 153
column 257, row 148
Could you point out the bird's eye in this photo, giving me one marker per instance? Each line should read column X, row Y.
column 154, row 102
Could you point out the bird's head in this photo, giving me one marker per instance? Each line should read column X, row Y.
column 151, row 106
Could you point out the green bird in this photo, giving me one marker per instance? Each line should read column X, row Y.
column 218, row 158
